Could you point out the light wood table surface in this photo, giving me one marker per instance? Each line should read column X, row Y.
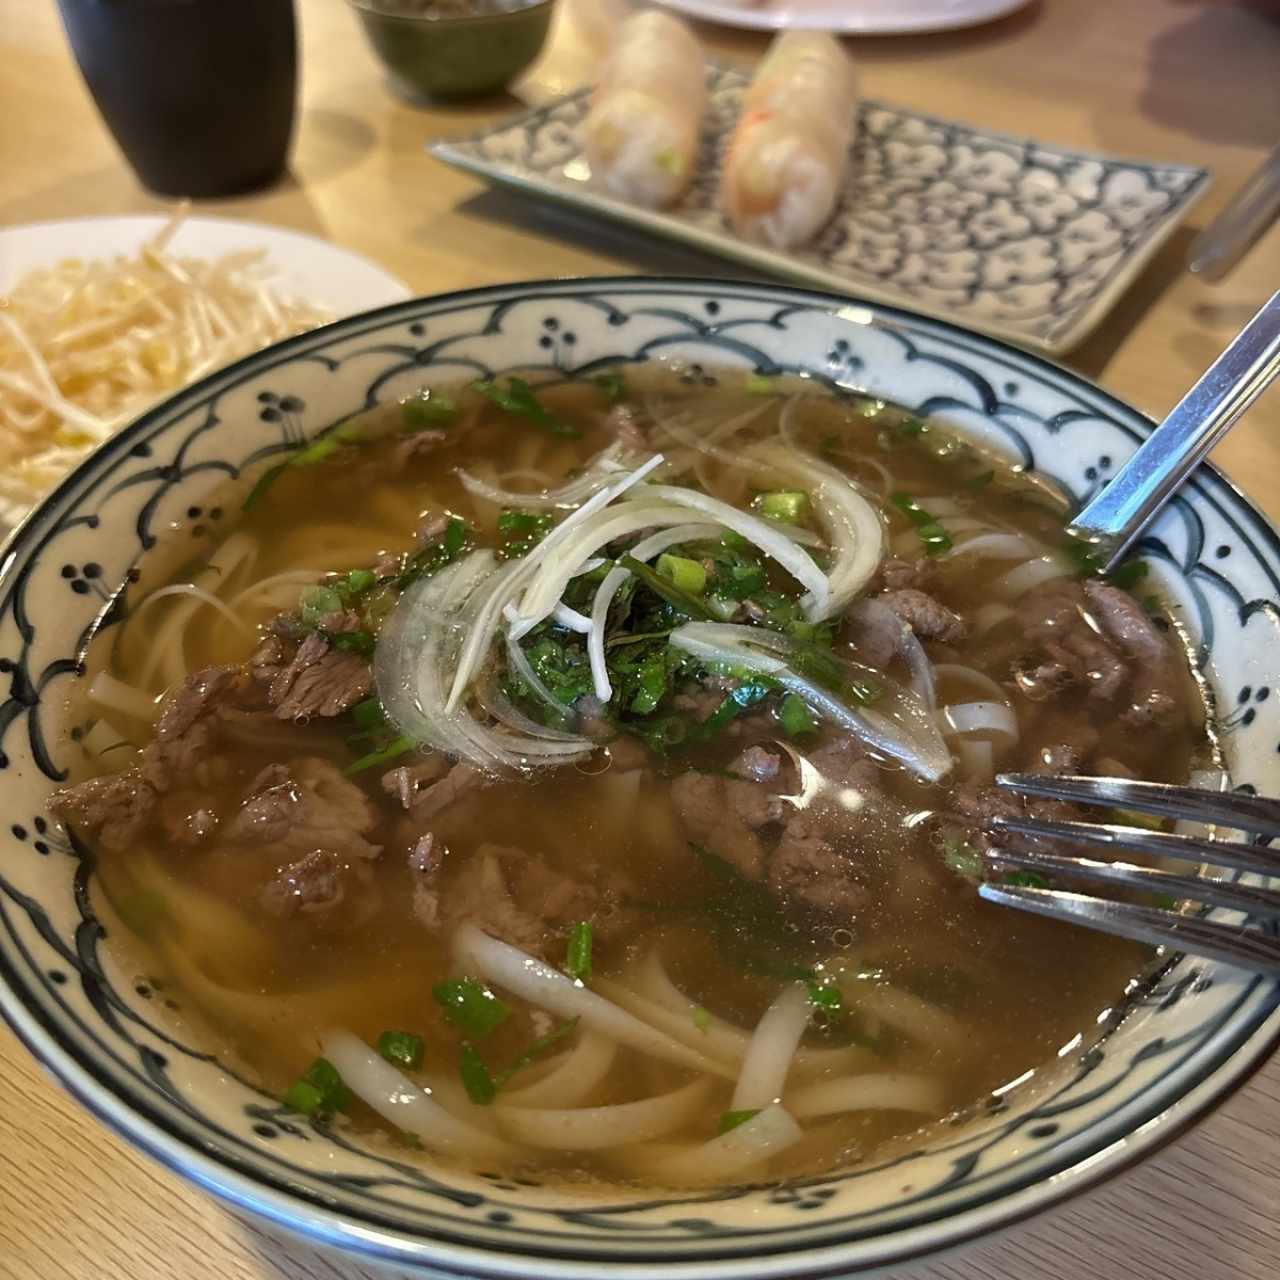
column 1186, row 81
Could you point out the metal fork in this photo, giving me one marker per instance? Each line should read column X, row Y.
column 1251, row 944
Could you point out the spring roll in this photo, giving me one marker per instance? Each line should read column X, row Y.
column 786, row 160
column 641, row 131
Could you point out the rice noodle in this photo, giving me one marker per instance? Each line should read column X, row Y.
column 403, row 1104
column 768, row 1056
column 887, row 1092
column 1018, row 581
column 982, row 717
column 732, row 1154
column 596, row 473
column 906, row 1012
column 524, row 975
column 197, row 593
column 106, row 691
column 977, row 759
column 908, row 735
column 575, row 1077
column 992, row 546
column 953, row 672
column 597, row 1128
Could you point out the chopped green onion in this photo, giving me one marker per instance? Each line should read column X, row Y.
column 701, row 1018
column 384, row 755
column 319, row 602
column 795, row 717
column 756, row 384
column 824, row 995
column 318, row 1091
column 667, row 590
column 578, row 961
column 358, row 581
column 426, row 410
column 476, row 1078
column 520, row 531
column 369, row 714
column 470, row 1006
column 541, row 1046
column 517, row 398
column 1026, row 880
column 789, row 505
column 650, row 680
column 935, row 538
column 613, row 384
column 730, row 1120
column 688, row 575
column 401, row 1049
column 361, row 642
column 962, row 858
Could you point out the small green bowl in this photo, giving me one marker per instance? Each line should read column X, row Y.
column 466, row 57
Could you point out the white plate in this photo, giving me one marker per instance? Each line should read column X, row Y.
column 849, row 17
column 303, row 266
column 1013, row 236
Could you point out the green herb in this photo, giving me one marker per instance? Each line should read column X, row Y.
column 455, row 539
column 476, row 1079
column 613, row 384
column 520, row 531
column 369, row 714
column 357, row 582
column 824, row 995
column 307, row 455
column 401, row 1049
column 1090, row 564
column 935, row 538
column 361, row 642
column 470, row 1006
column 383, row 755
column 962, row 858
column 701, row 1018
column 652, row 678
column 730, row 1120
column 427, row 409
column 319, row 602
column 795, row 717
column 319, row 1091
column 756, row 384
column 667, row 590
column 517, row 398
column 790, row 506
column 542, row 1045
column 1026, row 880
column 688, row 575
column 578, row 960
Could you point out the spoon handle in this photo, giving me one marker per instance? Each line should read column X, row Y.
column 1118, row 514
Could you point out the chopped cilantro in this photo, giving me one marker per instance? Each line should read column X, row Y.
column 517, row 398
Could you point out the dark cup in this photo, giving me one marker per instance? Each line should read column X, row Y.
column 199, row 94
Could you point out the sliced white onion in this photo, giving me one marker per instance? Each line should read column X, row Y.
column 1017, row 582
column 773, row 1045
column 643, row 551
column 734, row 1153
column 854, row 527
column 402, row 1103
column 493, row 701
column 907, row 734
column 597, row 1128
column 595, row 475
column 992, row 546
column 578, row 1073
column 571, row 618
column 763, row 533
column 528, row 977
column 982, row 717
column 887, row 1092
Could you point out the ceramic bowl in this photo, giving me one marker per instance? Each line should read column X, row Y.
column 466, row 57
column 1184, row 1042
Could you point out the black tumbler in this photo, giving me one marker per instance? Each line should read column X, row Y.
column 198, row 93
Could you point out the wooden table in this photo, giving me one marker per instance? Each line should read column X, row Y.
column 1188, row 81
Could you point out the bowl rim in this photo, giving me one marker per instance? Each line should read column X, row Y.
column 422, row 22
column 127, row 1113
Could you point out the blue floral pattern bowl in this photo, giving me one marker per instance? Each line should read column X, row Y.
column 128, row 1056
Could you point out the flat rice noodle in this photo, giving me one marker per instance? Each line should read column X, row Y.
column 915, row 1017
column 977, row 760
column 982, row 717
column 991, row 546
column 597, row 1128
column 1018, row 581
column 956, row 672
column 772, row 1047
column 887, row 1092
column 576, row 1075
column 731, row 1155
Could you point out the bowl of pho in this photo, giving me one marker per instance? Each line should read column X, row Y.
column 499, row 783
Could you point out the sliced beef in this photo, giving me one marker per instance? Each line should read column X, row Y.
column 431, row 799
column 1070, row 651
column 318, row 884
column 186, row 734
column 928, row 618
column 303, row 807
column 420, row 444
column 896, row 574
column 405, row 783
column 115, row 810
column 806, row 867
column 424, row 867
column 974, row 807
column 724, row 815
column 432, row 526
column 185, row 821
column 319, row 681
column 1154, row 692
column 756, row 764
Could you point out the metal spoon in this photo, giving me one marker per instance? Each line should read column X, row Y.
column 1177, row 446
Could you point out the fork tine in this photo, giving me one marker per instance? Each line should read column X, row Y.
column 1218, row 893
column 1164, row 844
column 1257, row 814
column 1232, row 944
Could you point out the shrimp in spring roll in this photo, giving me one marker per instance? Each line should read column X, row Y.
column 786, row 160
column 641, row 131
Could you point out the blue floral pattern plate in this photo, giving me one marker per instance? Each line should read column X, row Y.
column 119, row 1044
column 1010, row 236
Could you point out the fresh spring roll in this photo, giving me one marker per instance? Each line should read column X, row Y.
column 641, row 132
column 786, row 161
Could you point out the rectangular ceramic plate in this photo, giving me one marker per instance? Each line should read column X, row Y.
column 1026, row 241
